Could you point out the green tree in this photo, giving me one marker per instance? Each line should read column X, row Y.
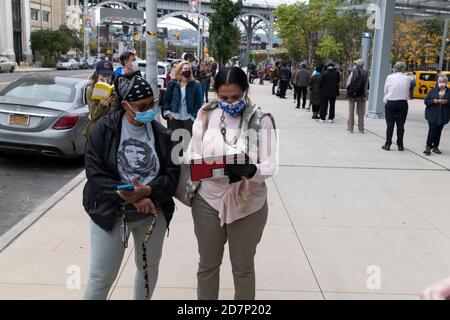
column 224, row 35
column 53, row 44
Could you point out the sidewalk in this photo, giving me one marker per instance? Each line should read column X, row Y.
column 340, row 208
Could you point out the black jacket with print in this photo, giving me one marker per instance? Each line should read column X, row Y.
column 100, row 199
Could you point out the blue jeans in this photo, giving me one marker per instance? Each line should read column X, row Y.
column 275, row 84
column 107, row 253
column 205, row 89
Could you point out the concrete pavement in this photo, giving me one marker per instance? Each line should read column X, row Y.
column 346, row 221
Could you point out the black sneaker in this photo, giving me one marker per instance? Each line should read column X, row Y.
column 386, row 147
column 437, row 151
column 427, row 151
column 401, row 147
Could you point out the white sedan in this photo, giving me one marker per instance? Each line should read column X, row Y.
column 7, row 65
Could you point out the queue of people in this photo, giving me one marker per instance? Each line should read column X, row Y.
column 133, row 175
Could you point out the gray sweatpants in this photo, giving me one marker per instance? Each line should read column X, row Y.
column 107, row 253
column 243, row 236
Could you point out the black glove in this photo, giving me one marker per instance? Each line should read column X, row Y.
column 236, row 172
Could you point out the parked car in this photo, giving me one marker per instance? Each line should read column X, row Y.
column 44, row 114
column 92, row 61
column 83, row 63
column 68, row 64
column 6, row 65
column 163, row 70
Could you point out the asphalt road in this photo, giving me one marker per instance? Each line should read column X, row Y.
column 27, row 181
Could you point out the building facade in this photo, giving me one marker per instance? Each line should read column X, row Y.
column 18, row 18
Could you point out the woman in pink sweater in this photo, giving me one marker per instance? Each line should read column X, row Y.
column 232, row 208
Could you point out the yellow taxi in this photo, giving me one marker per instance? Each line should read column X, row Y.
column 425, row 81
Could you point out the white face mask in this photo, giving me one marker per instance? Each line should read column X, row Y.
column 135, row 65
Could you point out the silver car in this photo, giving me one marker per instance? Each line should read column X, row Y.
column 44, row 114
column 7, row 65
column 67, row 64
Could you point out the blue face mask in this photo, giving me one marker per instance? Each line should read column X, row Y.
column 234, row 109
column 147, row 116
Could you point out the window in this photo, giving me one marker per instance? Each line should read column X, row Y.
column 69, row 2
column 428, row 77
column 34, row 14
column 41, row 91
column 46, row 16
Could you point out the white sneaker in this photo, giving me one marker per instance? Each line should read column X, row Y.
column 330, row 121
column 322, row 121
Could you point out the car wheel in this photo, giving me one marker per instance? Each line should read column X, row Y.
column 12, row 70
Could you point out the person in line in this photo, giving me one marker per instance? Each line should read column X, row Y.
column 315, row 93
column 173, row 70
column 128, row 147
column 396, row 96
column 182, row 100
column 104, row 72
column 274, row 76
column 129, row 64
column 437, row 113
column 284, row 75
column 329, row 90
column 357, row 85
column 295, row 71
column 205, row 78
column 232, row 208
column 301, row 85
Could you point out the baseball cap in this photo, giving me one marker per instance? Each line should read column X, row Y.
column 104, row 67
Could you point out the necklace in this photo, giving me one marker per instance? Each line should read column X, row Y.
column 223, row 130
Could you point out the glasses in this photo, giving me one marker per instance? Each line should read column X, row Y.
column 142, row 107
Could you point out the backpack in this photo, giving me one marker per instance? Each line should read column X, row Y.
column 356, row 88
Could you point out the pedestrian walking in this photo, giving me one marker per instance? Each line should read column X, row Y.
column 284, row 75
column 182, row 100
column 128, row 147
column 315, row 93
column 232, row 209
column 104, row 72
column 396, row 95
column 329, row 91
column 357, row 85
column 437, row 113
column 301, row 85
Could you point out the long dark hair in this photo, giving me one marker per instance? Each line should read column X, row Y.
column 231, row 75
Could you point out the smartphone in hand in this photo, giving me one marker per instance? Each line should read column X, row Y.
column 127, row 187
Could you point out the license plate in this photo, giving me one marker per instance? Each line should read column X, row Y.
column 19, row 120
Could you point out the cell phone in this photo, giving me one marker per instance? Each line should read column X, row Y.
column 127, row 187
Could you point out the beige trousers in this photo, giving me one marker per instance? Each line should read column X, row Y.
column 242, row 235
column 360, row 104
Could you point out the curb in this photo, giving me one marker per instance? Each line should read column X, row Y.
column 33, row 70
column 12, row 234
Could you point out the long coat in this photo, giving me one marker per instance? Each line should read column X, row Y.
column 314, row 89
column 437, row 113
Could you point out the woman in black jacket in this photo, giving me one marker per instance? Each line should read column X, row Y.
column 437, row 113
column 128, row 148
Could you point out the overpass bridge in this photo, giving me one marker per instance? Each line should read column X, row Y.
column 253, row 16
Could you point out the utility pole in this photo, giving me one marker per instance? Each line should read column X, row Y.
column 199, row 47
column 86, row 34
column 151, row 69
